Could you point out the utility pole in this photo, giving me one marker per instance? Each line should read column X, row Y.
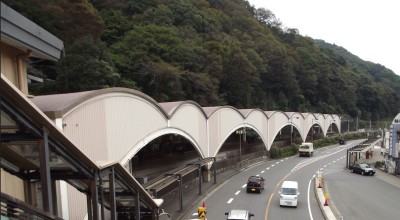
column 357, row 124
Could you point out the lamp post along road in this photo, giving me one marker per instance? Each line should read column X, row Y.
column 312, row 129
column 291, row 130
column 240, row 132
column 332, row 125
column 240, row 147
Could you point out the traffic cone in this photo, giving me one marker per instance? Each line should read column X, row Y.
column 319, row 184
column 326, row 200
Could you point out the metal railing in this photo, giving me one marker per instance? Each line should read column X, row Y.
column 169, row 179
column 17, row 209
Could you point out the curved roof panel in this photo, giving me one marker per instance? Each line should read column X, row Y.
column 59, row 104
column 211, row 110
column 171, row 107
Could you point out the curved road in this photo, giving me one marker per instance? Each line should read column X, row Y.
column 364, row 197
column 232, row 194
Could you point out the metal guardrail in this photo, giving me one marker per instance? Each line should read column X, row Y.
column 159, row 183
column 17, row 209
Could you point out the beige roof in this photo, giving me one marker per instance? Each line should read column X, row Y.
column 55, row 106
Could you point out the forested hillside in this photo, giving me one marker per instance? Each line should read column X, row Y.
column 215, row 52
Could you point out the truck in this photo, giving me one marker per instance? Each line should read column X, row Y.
column 306, row 148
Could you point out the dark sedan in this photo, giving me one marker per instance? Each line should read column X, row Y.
column 255, row 184
column 362, row 168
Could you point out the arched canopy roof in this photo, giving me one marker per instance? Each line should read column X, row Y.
column 205, row 127
column 171, row 107
column 57, row 105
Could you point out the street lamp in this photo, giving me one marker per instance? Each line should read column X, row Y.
column 240, row 132
column 291, row 130
column 332, row 124
column 312, row 129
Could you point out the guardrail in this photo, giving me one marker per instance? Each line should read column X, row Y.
column 175, row 179
column 159, row 183
column 17, row 209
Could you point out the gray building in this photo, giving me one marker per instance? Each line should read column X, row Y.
column 394, row 143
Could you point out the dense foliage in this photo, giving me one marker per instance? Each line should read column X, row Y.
column 215, row 52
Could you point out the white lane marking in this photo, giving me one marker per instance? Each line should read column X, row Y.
column 277, row 162
column 258, row 175
column 194, row 214
column 237, row 193
column 263, row 171
column 244, row 185
column 281, row 160
column 308, row 199
column 272, row 165
column 267, row 168
column 230, row 200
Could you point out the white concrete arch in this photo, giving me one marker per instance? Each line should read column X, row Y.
column 105, row 124
column 190, row 117
column 258, row 121
column 332, row 119
column 297, row 119
column 142, row 143
column 222, row 121
column 231, row 132
column 312, row 119
column 275, row 123
column 114, row 124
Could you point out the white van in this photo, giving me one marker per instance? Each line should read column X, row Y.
column 289, row 193
column 238, row 214
column 306, row 148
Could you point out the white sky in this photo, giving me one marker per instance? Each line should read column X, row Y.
column 369, row 29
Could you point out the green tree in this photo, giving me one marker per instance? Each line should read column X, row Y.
column 163, row 82
column 266, row 16
column 116, row 25
column 86, row 66
column 201, row 88
column 239, row 80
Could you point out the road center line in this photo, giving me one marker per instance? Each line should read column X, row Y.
column 297, row 167
column 272, row 195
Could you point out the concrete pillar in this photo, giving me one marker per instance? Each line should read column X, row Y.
column 207, row 175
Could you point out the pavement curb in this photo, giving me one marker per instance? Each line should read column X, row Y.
column 330, row 212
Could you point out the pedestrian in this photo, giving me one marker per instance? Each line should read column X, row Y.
column 371, row 153
column 367, row 155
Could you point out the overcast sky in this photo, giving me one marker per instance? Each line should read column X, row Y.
column 369, row 29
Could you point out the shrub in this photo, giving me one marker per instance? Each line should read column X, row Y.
column 379, row 164
column 276, row 152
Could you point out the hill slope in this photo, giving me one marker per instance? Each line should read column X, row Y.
column 215, row 52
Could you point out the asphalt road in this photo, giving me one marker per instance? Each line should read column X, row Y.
column 363, row 197
column 232, row 194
